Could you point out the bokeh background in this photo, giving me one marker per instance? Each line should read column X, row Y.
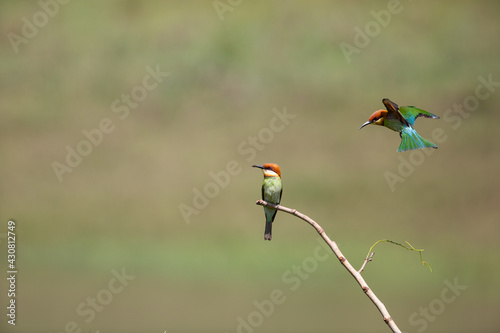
column 120, row 208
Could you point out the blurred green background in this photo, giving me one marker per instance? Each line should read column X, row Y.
column 120, row 208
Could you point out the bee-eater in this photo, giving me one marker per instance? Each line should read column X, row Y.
column 402, row 119
column 271, row 192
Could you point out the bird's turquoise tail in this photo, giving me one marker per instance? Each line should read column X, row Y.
column 411, row 140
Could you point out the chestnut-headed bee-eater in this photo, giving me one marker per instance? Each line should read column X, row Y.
column 402, row 120
column 272, row 188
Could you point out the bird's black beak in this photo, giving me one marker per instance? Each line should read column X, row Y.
column 258, row 166
column 367, row 123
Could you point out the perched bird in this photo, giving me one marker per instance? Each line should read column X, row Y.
column 271, row 192
column 402, row 119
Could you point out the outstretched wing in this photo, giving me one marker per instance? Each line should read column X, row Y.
column 393, row 111
column 411, row 113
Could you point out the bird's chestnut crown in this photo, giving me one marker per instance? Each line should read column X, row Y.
column 378, row 117
column 270, row 169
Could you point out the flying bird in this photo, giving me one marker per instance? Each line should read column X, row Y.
column 272, row 189
column 402, row 120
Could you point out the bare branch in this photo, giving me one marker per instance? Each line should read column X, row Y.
column 368, row 258
column 333, row 246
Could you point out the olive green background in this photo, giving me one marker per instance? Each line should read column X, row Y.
column 119, row 209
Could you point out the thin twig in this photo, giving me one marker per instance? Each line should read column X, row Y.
column 368, row 258
column 357, row 275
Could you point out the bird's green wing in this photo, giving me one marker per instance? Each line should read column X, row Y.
column 393, row 111
column 411, row 113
